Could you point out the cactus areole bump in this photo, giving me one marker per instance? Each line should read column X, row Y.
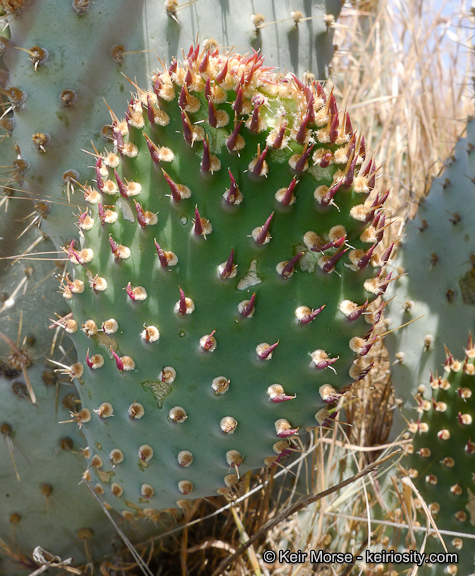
column 224, row 280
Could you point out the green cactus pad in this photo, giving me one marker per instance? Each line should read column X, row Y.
column 442, row 463
column 42, row 501
column 65, row 57
column 437, row 255
column 224, row 281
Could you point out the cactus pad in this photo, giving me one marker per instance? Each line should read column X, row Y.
column 438, row 256
column 443, row 460
column 224, row 280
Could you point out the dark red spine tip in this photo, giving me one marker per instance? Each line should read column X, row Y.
column 333, row 134
column 287, row 433
column 300, row 85
column 233, row 191
column 173, row 187
column 331, row 263
column 238, row 103
column 367, row 169
column 277, row 144
column 198, row 227
column 209, row 343
column 325, row 363
column 257, row 170
column 188, row 77
column 221, row 76
column 121, row 185
column 358, row 312
column 313, row 314
column 140, row 214
column 254, row 125
column 287, row 198
column 206, row 160
column 365, row 372
column 261, row 237
column 300, row 166
column 289, row 267
column 332, row 105
column 320, row 91
column 328, row 198
column 362, row 150
column 130, row 110
column 384, row 284
column 130, row 291
column 195, row 53
column 118, row 361
column 150, row 114
column 187, row 130
column 161, row 254
column 182, row 304
column 254, row 67
column 183, row 99
column 282, row 398
column 366, row 258
column 113, row 244
column 268, row 351
column 350, row 174
column 232, row 140
column 153, row 149
column 102, row 215
column 208, row 88
column 302, row 131
column 203, row 67
column 227, row 270
column 212, row 120
column 348, row 126
column 249, row 307
column 73, row 253
column 173, row 66
column 311, row 109
column 367, row 347
column 157, row 87
column 333, row 244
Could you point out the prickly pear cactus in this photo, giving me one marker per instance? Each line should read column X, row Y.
column 224, row 279
column 65, row 57
column 438, row 256
column 42, row 502
column 442, row 463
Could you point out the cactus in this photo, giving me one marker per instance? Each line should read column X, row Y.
column 64, row 58
column 443, row 452
column 42, row 502
column 217, row 304
column 437, row 254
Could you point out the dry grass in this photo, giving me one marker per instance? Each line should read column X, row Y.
column 404, row 72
